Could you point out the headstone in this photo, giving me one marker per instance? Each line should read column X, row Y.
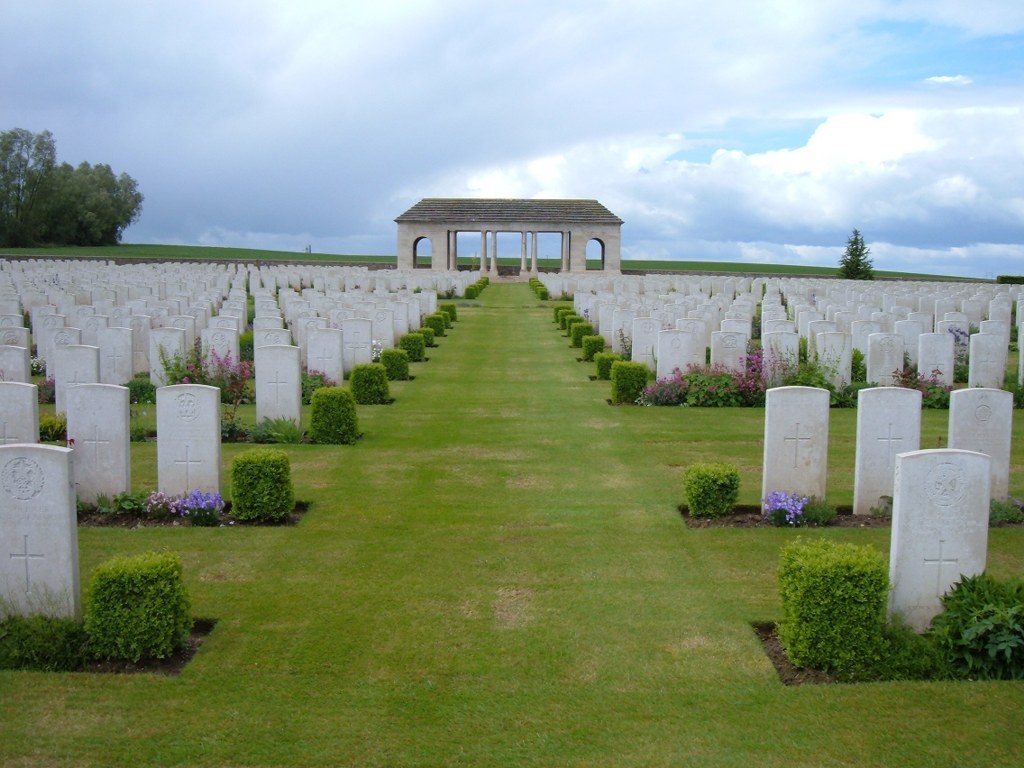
column 729, row 350
column 357, row 342
column 272, row 336
column 19, row 413
column 885, row 358
column 781, row 353
column 220, row 342
column 326, row 346
column 165, row 344
column 98, row 418
column 278, row 383
column 39, row 531
column 935, row 357
column 986, row 361
column 645, row 341
column 939, row 529
column 188, row 439
column 888, row 423
column 116, row 359
column 75, row 364
column 835, row 356
column 981, row 420
column 795, row 441
column 15, row 364
column 678, row 350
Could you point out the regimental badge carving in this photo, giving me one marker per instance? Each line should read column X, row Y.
column 10, row 338
column 983, row 413
column 945, row 484
column 888, row 344
column 729, row 342
column 188, row 407
column 22, row 478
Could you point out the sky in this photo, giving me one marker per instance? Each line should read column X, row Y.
column 759, row 131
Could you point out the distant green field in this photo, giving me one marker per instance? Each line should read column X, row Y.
column 149, row 252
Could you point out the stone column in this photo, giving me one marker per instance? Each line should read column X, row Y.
column 455, row 250
column 494, row 253
column 534, row 269
column 522, row 252
column 483, row 250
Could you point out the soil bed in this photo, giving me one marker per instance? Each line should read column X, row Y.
column 90, row 518
column 170, row 666
column 750, row 516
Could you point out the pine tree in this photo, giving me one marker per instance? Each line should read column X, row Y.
column 855, row 264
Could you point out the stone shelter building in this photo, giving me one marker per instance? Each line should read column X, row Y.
column 439, row 220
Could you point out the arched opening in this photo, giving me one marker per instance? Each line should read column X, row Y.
column 422, row 253
column 549, row 251
column 595, row 254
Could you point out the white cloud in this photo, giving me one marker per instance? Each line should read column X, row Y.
column 949, row 80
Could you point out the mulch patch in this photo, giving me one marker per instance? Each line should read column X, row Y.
column 788, row 674
column 750, row 516
column 170, row 666
column 94, row 519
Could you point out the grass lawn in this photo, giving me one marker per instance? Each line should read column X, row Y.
column 496, row 574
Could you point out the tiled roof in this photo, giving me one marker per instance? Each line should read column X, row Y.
column 504, row 210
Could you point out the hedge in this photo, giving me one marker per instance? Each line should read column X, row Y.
column 261, row 483
column 333, row 417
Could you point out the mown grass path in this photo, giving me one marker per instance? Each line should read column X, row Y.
column 496, row 575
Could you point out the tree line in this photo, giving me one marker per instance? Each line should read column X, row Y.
column 43, row 203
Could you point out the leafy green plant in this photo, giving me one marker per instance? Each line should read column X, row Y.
column 201, row 508
column 1006, row 511
column 450, row 309
column 579, row 331
column 280, row 430
column 369, row 383
column 628, row 381
column 333, row 418
column 53, row 429
column 311, row 382
column 981, row 628
column 470, row 292
column 833, row 604
column 414, row 345
column 711, row 489
column 261, row 483
column 396, row 364
column 428, row 335
column 591, row 345
column 437, row 322
column 604, row 362
column 43, row 643
column 141, row 391
column 46, row 391
column 138, row 607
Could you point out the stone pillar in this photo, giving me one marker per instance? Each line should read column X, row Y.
column 494, row 253
column 522, row 252
column 534, row 269
column 454, row 251
column 483, row 250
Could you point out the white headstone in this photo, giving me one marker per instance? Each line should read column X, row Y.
column 19, row 413
column 116, row 359
column 981, row 420
column 39, row 531
column 986, row 361
column 164, row 344
column 935, row 357
column 326, row 346
column 357, row 342
column 278, row 383
column 98, row 418
column 645, row 341
column 729, row 349
column 75, row 364
column 939, row 529
column 15, row 364
column 795, row 441
column 188, row 439
column 884, row 358
column 888, row 423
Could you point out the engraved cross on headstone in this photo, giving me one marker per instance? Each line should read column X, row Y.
column 796, row 444
column 187, row 462
column 4, row 439
column 277, row 385
column 889, row 440
column 95, row 441
column 939, row 562
column 26, row 556
column 325, row 359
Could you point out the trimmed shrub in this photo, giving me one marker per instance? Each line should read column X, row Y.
column 396, row 364
column 141, row 389
column 567, row 319
column 138, row 608
column 542, row 293
column 261, row 484
column 471, row 292
column 333, row 418
column 711, row 489
column 438, row 322
column 591, row 346
column 981, row 628
column 578, row 331
column 450, row 309
column 428, row 335
column 628, row 380
column 561, row 310
column 604, row 362
column 833, row 606
column 415, row 346
column 369, row 383
column 43, row 643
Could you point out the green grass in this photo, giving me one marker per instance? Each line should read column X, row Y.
column 148, row 252
column 497, row 575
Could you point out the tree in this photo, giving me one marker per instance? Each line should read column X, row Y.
column 854, row 263
column 43, row 203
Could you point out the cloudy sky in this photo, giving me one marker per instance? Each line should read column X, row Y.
column 736, row 130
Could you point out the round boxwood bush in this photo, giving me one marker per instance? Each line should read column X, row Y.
column 369, row 383
column 471, row 292
column 711, row 489
column 396, row 363
column 261, row 485
column 428, row 335
column 450, row 309
column 415, row 346
column 437, row 322
column 138, row 608
column 333, row 418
